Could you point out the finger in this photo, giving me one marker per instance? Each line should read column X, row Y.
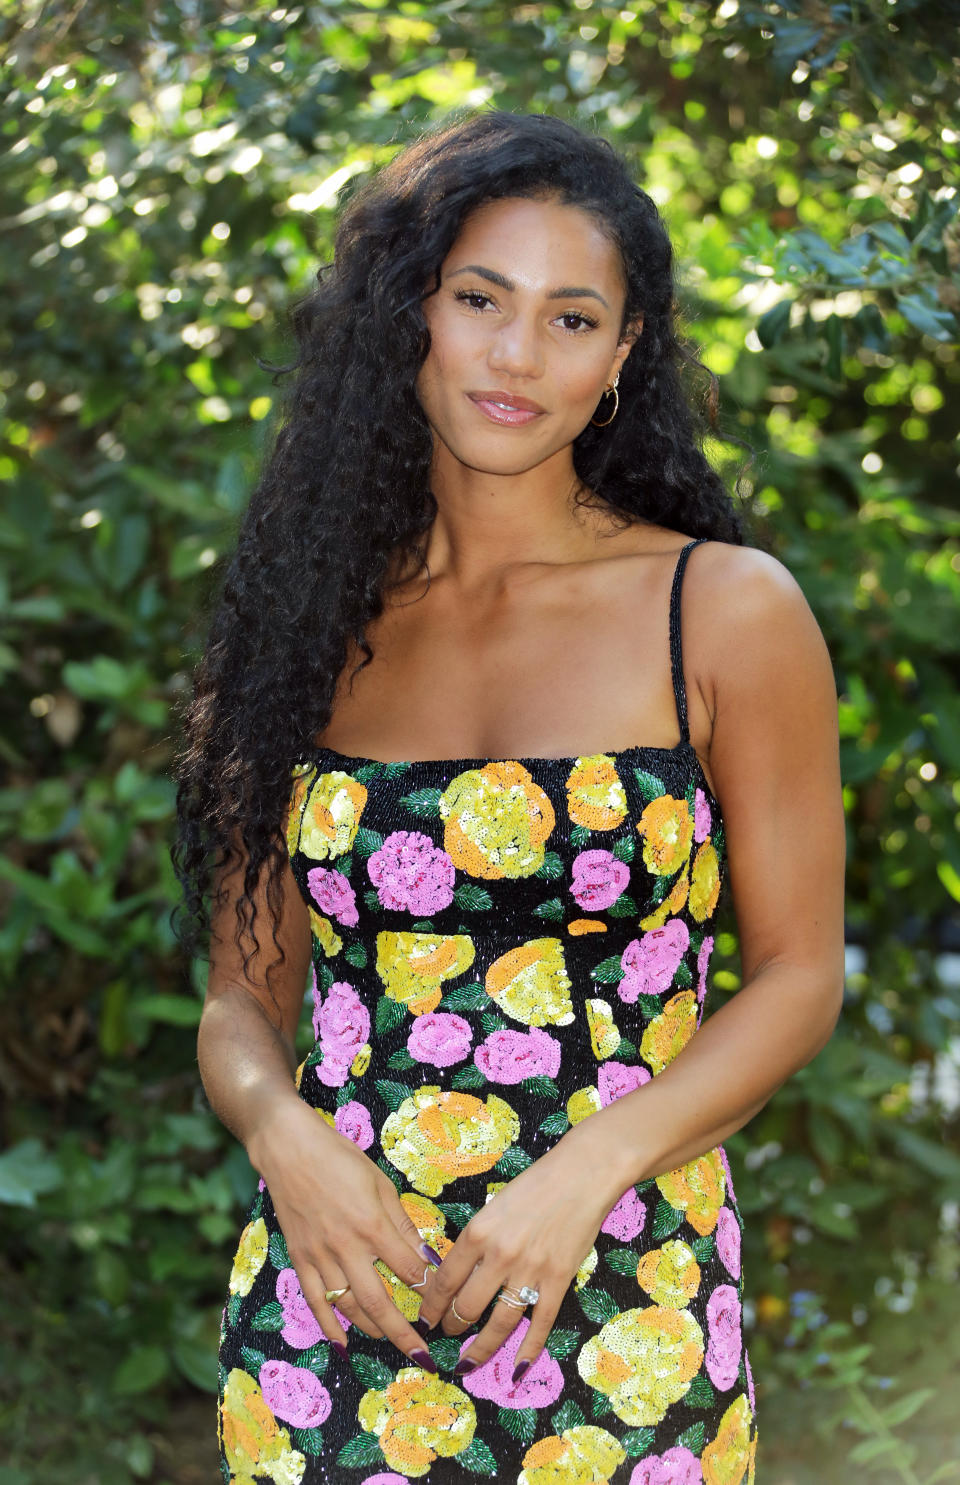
column 411, row 1234
column 543, row 1316
column 504, row 1319
column 371, row 1295
column 314, row 1285
column 446, row 1281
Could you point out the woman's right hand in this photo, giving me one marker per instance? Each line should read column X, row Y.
column 338, row 1213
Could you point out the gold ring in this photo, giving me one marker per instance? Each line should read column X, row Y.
column 461, row 1318
column 330, row 1294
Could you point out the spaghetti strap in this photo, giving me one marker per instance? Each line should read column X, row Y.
column 676, row 650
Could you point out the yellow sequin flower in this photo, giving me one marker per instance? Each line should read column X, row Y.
column 670, row 1275
column 604, row 1035
column 585, row 1455
column 644, row 1360
column 413, row 966
column 416, row 1418
column 705, row 883
column 595, row 796
column 727, row 1457
column 431, row 1223
column 531, row 984
column 331, row 815
column 697, row 1189
column 497, row 820
column 250, row 1257
column 303, row 778
column 669, row 1032
column 667, row 829
column 255, row 1446
column 438, row 1135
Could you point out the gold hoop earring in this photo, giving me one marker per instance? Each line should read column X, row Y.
column 616, row 403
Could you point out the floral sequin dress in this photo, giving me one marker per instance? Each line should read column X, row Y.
column 501, row 947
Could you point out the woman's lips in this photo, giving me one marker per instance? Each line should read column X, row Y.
column 505, row 412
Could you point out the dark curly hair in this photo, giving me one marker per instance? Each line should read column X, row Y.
column 347, row 482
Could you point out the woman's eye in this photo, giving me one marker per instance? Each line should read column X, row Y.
column 473, row 297
column 584, row 321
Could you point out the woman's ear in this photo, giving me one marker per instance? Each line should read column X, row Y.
column 627, row 340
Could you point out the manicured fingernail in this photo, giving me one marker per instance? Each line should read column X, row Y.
column 431, row 1254
column 424, row 1359
column 464, row 1365
column 341, row 1348
column 422, row 1325
column 521, row 1369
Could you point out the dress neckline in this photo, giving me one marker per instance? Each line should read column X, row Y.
column 532, row 762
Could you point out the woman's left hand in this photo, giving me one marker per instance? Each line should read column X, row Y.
column 537, row 1230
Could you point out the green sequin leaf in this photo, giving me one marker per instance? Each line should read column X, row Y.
column 521, row 1423
column 373, row 901
column 472, row 997
column 472, row 899
column 324, row 974
column 308, row 1440
column 625, row 848
column 683, row 975
column 422, row 925
column 598, row 1305
column 600, row 1404
column 252, row 1360
column 356, row 955
column 560, row 1343
column 371, row 1372
column 445, row 1350
column 365, row 842
column 270, row 1317
column 422, row 802
column 626, row 1048
column 234, row 1304
column 579, row 836
column 703, row 1249
column 692, row 1439
column 360, row 1452
column 624, row 907
column 623, row 1260
column 388, row 1013
column 551, row 868
column 700, row 1394
column 608, row 971
column 279, row 1256
column 477, row 1458
column 649, row 785
column 568, row 1415
column 490, row 1021
column 315, row 1360
column 649, row 1005
column 468, row 1077
column 541, row 1086
column 510, row 1164
column 458, row 1212
column 345, row 1094
column 666, row 1219
column 551, row 909
column 557, row 1123
column 393, row 1094
column 638, row 1441
column 401, row 1059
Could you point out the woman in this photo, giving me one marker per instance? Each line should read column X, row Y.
column 448, row 757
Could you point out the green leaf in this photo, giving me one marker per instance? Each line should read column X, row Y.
column 597, row 1304
column 360, row 1452
column 316, row 1360
column 371, row 1372
column 401, row 1059
column 773, row 326
column 624, row 907
column 388, row 1013
column 472, row 899
column 142, row 1369
column 557, row 1123
column 551, row 867
column 345, row 1094
column 270, row 1317
column 252, row 1360
column 552, row 909
column 625, row 1048
column 700, row 1393
column 623, row 1261
column 445, row 1350
column 579, row 836
column 561, row 1343
column 308, row 1440
column 511, row 1163
column 683, row 976
column 356, row 954
column 172, row 1010
column 279, row 1256
column 26, row 1172
column 608, row 971
column 540, row 1086
column 392, row 1172
column 393, row 1094
column 666, row 1220
column 625, row 848
column 638, row 1441
column 693, row 1439
column 568, row 1415
column 234, row 1306
column 470, row 1076
column 491, row 1021
column 458, row 1212
column 426, row 804
column 472, row 997
column 600, row 1404
column 649, row 785
column 365, row 842
column 521, row 1423
column 702, row 1248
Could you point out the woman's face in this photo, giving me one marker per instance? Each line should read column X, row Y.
column 525, row 334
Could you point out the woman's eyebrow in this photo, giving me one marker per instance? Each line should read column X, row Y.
column 501, row 282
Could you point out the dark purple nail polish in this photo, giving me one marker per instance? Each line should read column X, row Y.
column 341, row 1348
column 464, row 1365
column 424, row 1359
column 423, row 1326
column 521, row 1369
column 431, row 1254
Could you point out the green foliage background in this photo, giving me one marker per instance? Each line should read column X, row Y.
column 169, row 180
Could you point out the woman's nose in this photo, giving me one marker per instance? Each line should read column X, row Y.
column 516, row 349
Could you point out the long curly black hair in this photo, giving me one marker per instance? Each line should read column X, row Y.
column 347, row 482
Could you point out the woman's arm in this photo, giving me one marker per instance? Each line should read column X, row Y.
column 774, row 761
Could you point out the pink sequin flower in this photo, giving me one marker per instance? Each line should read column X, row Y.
column 385, row 1477
column 341, row 1023
column 333, row 894
column 626, row 1217
column 701, row 816
column 650, row 963
column 293, row 1394
column 540, row 1386
column 598, row 879
column 440, row 1038
column 510, row 1056
column 353, row 1120
column 728, row 1241
column 301, row 1328
column 411, row 873
column 725, row 1341
column 703, row 959
column 677, row 1467
column 615, row 1079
